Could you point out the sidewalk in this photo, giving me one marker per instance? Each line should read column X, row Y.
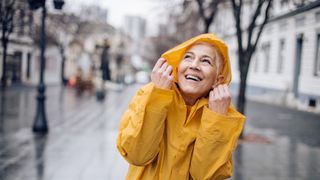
column 81, row 144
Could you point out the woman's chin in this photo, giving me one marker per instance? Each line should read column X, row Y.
column 191, row 92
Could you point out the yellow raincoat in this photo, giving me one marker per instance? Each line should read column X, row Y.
column 161, row 141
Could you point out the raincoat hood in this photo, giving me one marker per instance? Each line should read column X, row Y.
column 175, row 55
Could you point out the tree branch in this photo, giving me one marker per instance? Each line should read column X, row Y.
column 237, row 16
column 201, row 9
column 213, row 7
column 263, row 24
column 1, row 12
column 7, row 15
column 252, row 24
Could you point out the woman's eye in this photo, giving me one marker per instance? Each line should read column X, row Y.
column 187, row 57
column 207, row 61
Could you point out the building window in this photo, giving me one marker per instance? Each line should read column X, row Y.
column 255, row 61
column 317, row 16
column 284, row 3
column 28, row 65
column 317, row 61
column 266, row 55
column 280, row 56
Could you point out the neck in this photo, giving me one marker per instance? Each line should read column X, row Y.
column 189, row 100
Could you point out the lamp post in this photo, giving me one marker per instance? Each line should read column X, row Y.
column 40, row 123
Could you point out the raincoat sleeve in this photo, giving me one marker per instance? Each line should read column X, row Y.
column 216, row 140
column 142, row 125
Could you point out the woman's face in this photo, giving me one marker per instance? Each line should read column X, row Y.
column 199, row 70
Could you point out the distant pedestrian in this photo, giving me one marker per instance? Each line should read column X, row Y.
column 104, row 62
column 182, row 125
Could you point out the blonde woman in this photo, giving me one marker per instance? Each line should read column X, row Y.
column 182, row 125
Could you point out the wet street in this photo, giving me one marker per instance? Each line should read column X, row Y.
column 293, row 152
column 81, row 140
column 81, row 143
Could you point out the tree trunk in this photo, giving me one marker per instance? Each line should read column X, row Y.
column 241, row 102
column 63, row 79
column 206, row 28
column 63, row 59
column 4, row 64
column 242, row 93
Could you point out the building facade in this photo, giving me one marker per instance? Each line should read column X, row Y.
column 285, row 67
column 71, row 42
column 19, row 52
column 135, row 28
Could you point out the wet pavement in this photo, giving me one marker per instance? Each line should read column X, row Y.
column 82, row 137
column 294, row 149
column 81, row 140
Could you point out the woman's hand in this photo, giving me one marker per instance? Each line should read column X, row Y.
column 161, row 74
column 220, row 99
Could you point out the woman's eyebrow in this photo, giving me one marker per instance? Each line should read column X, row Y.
column 207, row 56
column 189, row 52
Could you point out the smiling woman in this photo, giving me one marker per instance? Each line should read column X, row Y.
column 199, row 72
column 181, row 125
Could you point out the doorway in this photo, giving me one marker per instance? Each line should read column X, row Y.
column 13, row 67
column 297, row 66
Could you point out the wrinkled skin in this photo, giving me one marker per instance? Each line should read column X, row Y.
column 198, row 76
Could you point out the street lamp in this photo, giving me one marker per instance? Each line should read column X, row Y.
column 58, row 4
column 40, row 122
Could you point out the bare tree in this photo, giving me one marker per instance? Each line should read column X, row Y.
column 185, row 23
column 7, row 11
column 246, row 47
column 62, row 28
column 69, row 25
column 207, row 11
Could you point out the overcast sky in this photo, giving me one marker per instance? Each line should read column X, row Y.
column 151, row 10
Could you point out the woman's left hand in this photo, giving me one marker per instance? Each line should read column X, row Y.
column 220, row 99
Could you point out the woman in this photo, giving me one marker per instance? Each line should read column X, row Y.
column 181, row 125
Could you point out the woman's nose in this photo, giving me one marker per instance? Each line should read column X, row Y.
column 194, row 64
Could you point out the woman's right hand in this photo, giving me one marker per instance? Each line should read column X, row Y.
column 161, row 74
column 220, row 99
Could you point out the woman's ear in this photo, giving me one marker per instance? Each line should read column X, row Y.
column 219, row 80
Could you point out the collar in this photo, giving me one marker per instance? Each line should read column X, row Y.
column 199, row 103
